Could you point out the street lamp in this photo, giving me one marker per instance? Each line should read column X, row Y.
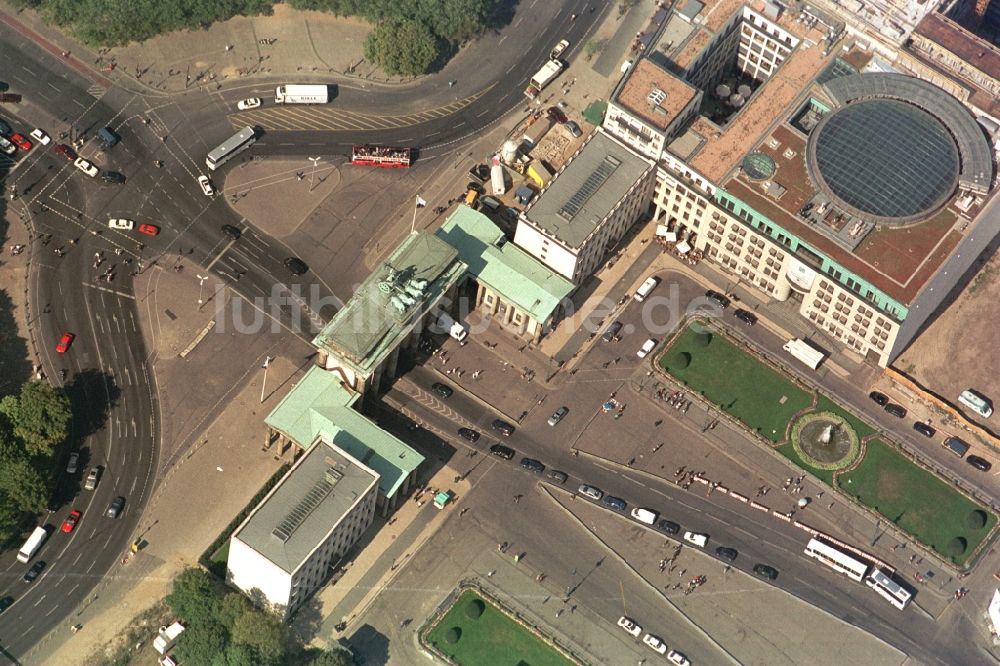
column 312, row 175
column 201, row 285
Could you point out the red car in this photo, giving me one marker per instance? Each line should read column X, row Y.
column 149, row 229
column 64, row 342
column 556, row 114
column 71, row 520
column 65, row 151
column 20, row 142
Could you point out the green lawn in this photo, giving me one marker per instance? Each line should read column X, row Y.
column 493, row 639
column 737, row 382
column 824, row 404
column 824, row 475
column 915, row 500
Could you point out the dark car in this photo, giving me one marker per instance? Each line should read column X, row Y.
column 981, row 464
column 727, row 554
column 34, row 572
column 896, row 410
column 469, row 434
column 612, row 331
column 557, row 476
column 5, row 129
column 115, row 508
column 668, row 526
column 296, row 266
column 65, row 151
column 231, row 231
column 6, row 603
column 503, row 427
column 532, row 465
column 112, row 177
column 556, row 114
column 480, row 171
column 442, row 390
column 615, row 503
column 881, row 399
column 924, row 429
column 746, row 317
column 477, row 187
column 718, row 298
column 765, row 571
column 501, row 451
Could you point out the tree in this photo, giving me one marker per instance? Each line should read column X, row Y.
column 40, row 416
column 23, row 485
column 263, row 632
column 333, row 658
column 402, row 47
column 232, row 607
column 193, row 598
column 201, row 643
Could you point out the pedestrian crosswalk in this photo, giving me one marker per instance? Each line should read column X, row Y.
column 96, row 91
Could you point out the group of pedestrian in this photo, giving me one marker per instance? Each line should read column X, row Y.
column 17, row 249
column 795, row 485
column 686, row 477
column 763, row 490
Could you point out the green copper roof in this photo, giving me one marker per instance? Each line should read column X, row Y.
column 319, row 406
column 505, row 268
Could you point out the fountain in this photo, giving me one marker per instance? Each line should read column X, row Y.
column 825, row 441
column 824, row 437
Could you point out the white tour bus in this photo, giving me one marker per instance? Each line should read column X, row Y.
column 837, row 560
column 230, row 148
column 888, row 589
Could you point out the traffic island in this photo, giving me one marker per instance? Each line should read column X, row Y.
column 472, row 628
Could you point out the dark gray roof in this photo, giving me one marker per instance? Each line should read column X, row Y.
column 587, row 190
column 976, row 172
column 305, row 506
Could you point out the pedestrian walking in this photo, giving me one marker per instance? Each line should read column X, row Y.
column 517, row 498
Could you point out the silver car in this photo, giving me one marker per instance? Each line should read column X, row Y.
column 71, row 465
column 591, row 492
column 92, row 477
column 558, row 415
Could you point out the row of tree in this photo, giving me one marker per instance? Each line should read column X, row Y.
column 410, row 37
column 33, row 423
column 224, row 628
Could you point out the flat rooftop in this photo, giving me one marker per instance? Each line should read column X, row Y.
column 301, row 511
column 638, row 94
column 588, row 188
column 974, row 50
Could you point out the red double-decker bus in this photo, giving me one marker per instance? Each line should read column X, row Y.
column 385, row 157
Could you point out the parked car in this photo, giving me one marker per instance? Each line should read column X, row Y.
column 614, row 503
column 121, row 224
column 149, row 229
column 469, row 434
column 556, row 114
column 647, row 347
column 248, row 103
column 655, row 643
column 92, row 478
column 765, row 571
column 727, row 554
column 296, row 266
column 532, row 465
column 115, row 508
column 231, row 231
column 64, row 342
column 956, row 445
column 558, row 50
column 696, row 538
column 678, row 658
column 206, row 185
column 6, row 603
column 6, row 147
column 557, row 476
column 480, row 171
column 501, row 451
column 85, row 166
column 981, row 464
column 558, row 415
column 441, row 390
column 71, row 464
column 573, row 128
column 745, row 316
column 668, row 526
column 896, row 410
column 630, row 626
column 611, row 331
column 881, row 399
column 40, row 136
column 71, row 520
column 924, row 428
column 713, row 295
column 21, row 142
column 113, row 177
column 502, row 427
column 34, row 572
column 65, row 151
column 591, row 492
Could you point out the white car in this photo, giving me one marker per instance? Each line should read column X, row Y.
column 655, row 642
column 678, row 658
column 696, row 538
column 558, row 50
column 629, row 626
column 247, row 104
column 6, row 146
column 40, row 136
column 85, row 166
column 647, row 347
column 591, row 492
column 206, row 186
column 121, row 224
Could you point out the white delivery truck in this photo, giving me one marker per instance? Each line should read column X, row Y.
column 543, row 77
column 445, row 324
column 805, row 352
column 32, row 545
column 498, row 180
column 301, row 94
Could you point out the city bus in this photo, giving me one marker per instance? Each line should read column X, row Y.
column 837, row 560
column 230, row 148
column 888, row 589
column 976, row 403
